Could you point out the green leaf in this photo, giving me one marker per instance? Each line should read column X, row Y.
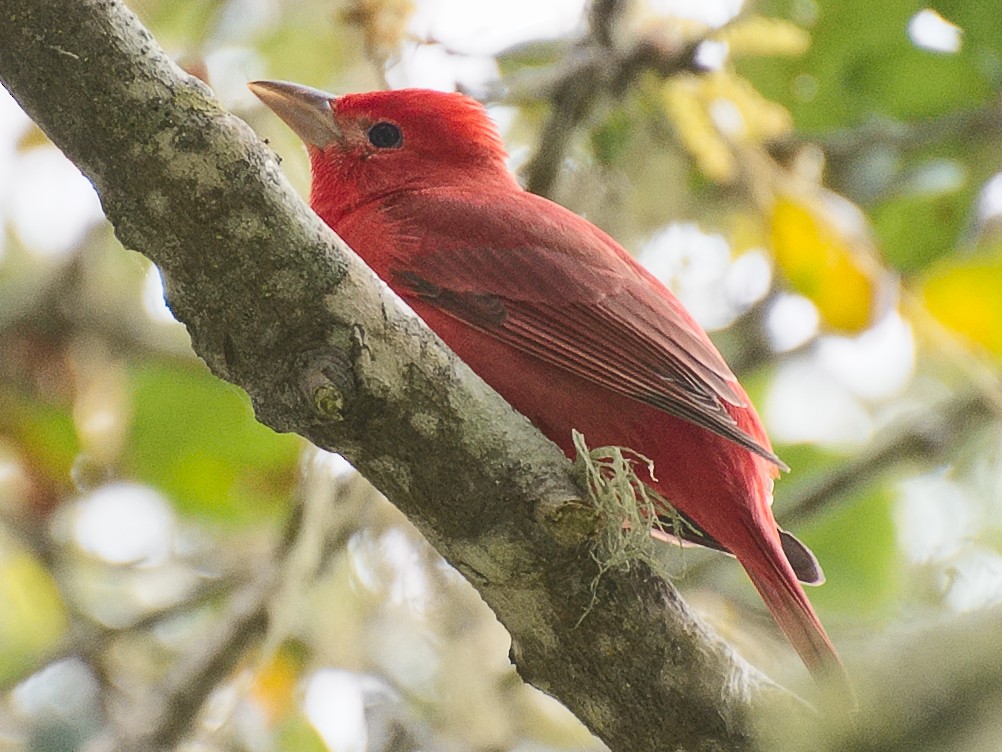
column 917, row 229
column 44, row 431
column 611, row 139
column 862, row 62
column 296, row 733
column 195, row 438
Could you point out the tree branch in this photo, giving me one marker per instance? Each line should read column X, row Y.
column 597, row 69
column 172, row 712
column 276, row 304
column 847, row 144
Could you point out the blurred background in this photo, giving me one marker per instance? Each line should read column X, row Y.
column 825, row 197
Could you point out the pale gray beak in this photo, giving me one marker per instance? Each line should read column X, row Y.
column 309, row 112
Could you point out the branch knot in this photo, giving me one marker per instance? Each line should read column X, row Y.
column 329, row 384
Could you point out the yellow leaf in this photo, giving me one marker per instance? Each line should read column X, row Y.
column 684, row 103
column 745, row 231
column 756, row 35
column 717, row 113
column 33, row 618
column 275, row 681
column 762, row 118
column 819, row 261
column 966, row 297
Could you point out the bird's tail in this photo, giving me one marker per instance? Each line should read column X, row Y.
column 777, row 583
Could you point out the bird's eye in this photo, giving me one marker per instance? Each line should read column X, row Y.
column 385, row 136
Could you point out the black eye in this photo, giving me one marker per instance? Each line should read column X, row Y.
column 385, row 136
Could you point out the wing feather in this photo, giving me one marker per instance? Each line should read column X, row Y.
column 589, row 310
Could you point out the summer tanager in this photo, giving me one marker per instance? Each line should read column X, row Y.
column 555, row 316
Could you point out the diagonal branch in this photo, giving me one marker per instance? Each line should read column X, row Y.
column 276, row 304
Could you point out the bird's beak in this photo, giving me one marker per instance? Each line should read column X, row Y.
column 309, row 112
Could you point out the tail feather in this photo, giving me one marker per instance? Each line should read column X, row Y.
column 776, row 582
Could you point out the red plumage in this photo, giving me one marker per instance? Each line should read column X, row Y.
column 553, row 314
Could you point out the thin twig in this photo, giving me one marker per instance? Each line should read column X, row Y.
column 597, row 71
column 191, row 683
column 851, row 143
column 929, row 438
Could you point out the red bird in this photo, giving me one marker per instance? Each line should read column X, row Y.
column 555, row 316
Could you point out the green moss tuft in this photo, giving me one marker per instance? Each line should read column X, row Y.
column 628, row 507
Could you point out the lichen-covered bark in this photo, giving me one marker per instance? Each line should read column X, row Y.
column 276, row 304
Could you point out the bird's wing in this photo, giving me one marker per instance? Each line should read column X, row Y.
column 567, row 294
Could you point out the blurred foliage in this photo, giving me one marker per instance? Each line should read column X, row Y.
column 138, row 496
column 867, row 581
column 195, row 438
column 823, row 265
column 33, row 617
column 963, row 293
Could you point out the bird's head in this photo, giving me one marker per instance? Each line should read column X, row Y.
column 376, row 143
